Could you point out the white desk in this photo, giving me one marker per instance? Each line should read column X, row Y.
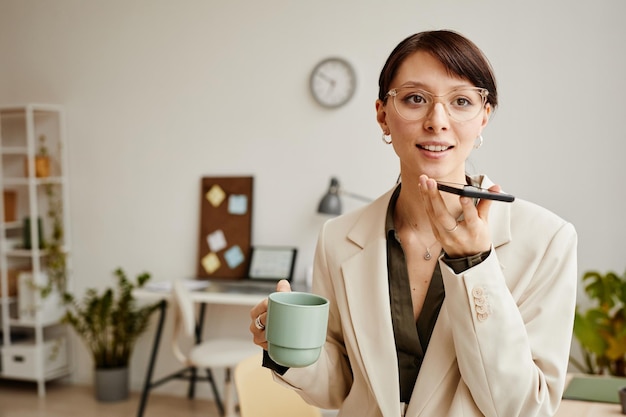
column 201, row 297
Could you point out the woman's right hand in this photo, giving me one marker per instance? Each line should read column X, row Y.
column 258, row 314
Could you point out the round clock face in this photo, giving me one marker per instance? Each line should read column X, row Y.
column 333, row 82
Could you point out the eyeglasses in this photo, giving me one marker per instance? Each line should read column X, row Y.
column 462, row 104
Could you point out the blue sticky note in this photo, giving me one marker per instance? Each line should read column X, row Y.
column 234, row 257
column 238, row 204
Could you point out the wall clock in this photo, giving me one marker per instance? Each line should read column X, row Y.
column 333, row 82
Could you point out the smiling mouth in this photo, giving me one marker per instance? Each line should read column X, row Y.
column 435, row 148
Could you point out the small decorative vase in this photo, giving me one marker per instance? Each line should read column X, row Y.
column 42, row 166
column 111, row 384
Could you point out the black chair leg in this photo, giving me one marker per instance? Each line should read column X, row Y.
column 153, row 355
column 216, row 394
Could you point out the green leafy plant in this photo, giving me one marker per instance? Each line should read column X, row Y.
column 55, row 253
column 56, row 256
column 601, row 330
column 110, row 322
column 43, row 149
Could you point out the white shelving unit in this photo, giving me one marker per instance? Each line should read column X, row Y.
column 34, row 343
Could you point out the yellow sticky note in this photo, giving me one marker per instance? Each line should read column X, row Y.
column 211, row 263
column 215, row 195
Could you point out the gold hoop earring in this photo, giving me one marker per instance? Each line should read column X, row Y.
column 385, row 140
column 480, row 142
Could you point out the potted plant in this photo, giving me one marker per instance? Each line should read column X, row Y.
column 601, row 330
column 110, row 322
column 55, row 253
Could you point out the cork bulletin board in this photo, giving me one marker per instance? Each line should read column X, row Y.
column 224, row 246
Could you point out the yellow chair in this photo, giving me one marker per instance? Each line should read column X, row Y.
column 260, row 396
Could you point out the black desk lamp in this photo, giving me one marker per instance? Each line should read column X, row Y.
column 331, row 203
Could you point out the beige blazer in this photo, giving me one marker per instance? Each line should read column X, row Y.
column 500, row 346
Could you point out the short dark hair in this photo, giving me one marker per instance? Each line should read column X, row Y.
column 459, row 55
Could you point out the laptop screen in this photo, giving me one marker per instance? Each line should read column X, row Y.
column 272, row 263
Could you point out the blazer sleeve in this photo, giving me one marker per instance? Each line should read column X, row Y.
column 512, row 318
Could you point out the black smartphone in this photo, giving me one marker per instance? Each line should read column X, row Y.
column 475, row 192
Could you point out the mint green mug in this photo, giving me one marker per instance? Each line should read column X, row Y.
column 296, row 327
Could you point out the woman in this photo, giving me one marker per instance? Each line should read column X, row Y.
column 484, row 329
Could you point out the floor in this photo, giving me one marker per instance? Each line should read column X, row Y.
column 19, row 399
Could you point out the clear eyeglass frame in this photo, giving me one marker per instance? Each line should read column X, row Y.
column 458, row 112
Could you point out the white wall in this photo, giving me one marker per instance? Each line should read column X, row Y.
column 160, row 93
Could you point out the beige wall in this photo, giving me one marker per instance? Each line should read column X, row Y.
column 160, row 93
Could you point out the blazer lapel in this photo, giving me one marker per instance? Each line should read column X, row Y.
column 440, row 357
column 367, row 293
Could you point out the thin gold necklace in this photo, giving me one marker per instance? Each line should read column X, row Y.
column 427, row 255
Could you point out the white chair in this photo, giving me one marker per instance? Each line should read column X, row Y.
column 222, row 353
column 260, row 396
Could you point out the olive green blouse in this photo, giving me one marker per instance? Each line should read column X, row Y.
column 412, row 337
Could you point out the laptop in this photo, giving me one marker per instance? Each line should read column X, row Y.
column 268, row 265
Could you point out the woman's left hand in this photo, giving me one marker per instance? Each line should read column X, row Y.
column 466, row 237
